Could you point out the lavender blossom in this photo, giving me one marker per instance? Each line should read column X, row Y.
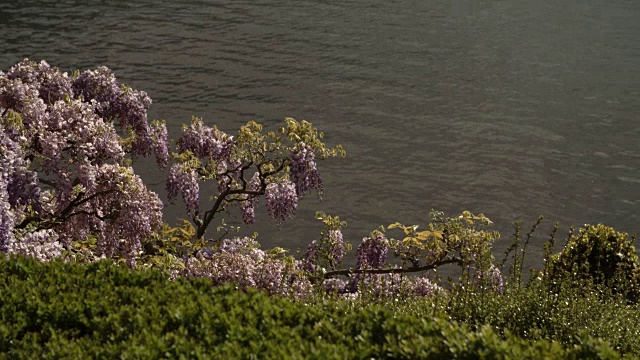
column 304, row 171
column 281, row 200
column 205, row 142
column 42, row 245
column 184, row 182
column 372, row 252
column 160, row 143
column 248, row 206
column 7, row 220
column 241, row 262
column 491, row 278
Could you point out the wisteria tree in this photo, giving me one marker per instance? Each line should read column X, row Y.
column 277, row 166
column 66, row 148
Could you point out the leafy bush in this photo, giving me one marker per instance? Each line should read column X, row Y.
column 105, row 310
column 602, row 255
column 535, row 311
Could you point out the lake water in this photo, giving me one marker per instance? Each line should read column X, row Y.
column 511, row 108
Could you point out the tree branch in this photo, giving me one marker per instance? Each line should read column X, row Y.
column 411, row 269
column 65, row 214
column 223, row 196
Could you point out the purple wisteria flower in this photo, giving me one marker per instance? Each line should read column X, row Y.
column 52, row 85
column 122, row 212
column 387, row 286
column 22, row 98
column 214, row 149
column 310, row 257
column 238, row 245
column 115, row 102
column 7, row 219
column 18, row 188
column 327, row 252
column 20, row 183
column 491, row 278
column 248, row 206
column 184, row 182
column 100, row 86
column 304, row 170
column 240, row 261
column 160, row 143
column 336, row 248
column 42, row 245
column 205, row 142
column 422, row 286
column 337, row 286
column 281, row 200
column 372, row 252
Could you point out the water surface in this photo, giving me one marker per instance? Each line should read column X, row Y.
column 511, row 108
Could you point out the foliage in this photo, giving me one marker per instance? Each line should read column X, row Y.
column 547, row 307
column 104, row 310
column 457, row 240
column 602, row 255
column 535, row 311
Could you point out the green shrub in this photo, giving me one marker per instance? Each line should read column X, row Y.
column 564, row 314
column 601, row 255
column 103, row 310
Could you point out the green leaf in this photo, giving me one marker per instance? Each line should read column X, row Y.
column 395, row 225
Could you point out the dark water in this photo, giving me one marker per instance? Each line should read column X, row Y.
column 511, row 108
